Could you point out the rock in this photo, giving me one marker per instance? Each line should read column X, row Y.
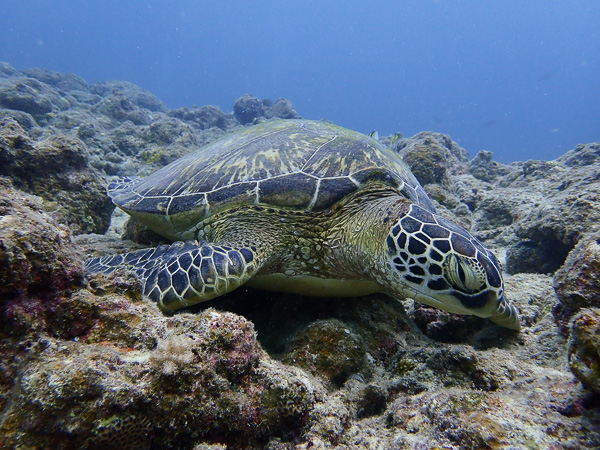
column 247, row 109
column 427, row 164
column 329, row 421
column 167, row 131
column 378, row 324
column 136, row 96
column 479, row 207
column 69, row 120
column 56, row 170
column 445, row 327
column 434, row 155
column 577, row 282
column 282, row 109
column 156, row 145
column 533, row 295
column 37, row 260
column 434, row 158
column 88, row 363
column 484, row 168
column 529, row 256
column 127, row 138
column 121, row 108
column 208, row 370
column 6, row 70
column 582, row 155
column 31, row 96
column 205, row 117
column 86, row 131
column 584, row 348
column 141, row 234
column 24, row 119
column 566, row 204
column 495, row 209
column 83, row 99
column 62, row 81
column 369, row 400
column 562, row 221
column 329, row 349
column 467, row 368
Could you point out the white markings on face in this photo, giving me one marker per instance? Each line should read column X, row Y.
column 442, row 261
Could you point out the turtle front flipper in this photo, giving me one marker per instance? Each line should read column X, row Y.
column 184, row 273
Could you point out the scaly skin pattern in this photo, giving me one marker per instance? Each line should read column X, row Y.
column 373, row 240
column 184, row 273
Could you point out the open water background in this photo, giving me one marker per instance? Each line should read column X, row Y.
column 519, row 78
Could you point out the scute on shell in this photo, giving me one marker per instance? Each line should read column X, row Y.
column 291, row 164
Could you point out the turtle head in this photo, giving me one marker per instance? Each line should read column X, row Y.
column 437, row 262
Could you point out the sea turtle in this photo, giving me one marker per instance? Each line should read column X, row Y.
column 307, row 207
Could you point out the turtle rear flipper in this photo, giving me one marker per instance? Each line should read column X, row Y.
column 184, row 273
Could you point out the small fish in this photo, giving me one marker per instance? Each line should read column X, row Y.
column 395, row 138
column 374, row 134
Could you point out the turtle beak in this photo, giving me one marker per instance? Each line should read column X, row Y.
column 506, row 315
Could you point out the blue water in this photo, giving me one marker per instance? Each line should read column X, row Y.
column 520, row 78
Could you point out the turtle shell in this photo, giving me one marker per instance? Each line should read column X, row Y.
column 291, row 164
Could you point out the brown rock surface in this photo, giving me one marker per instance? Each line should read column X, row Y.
column 577, row 282
column 56, row 169
column 584, row 348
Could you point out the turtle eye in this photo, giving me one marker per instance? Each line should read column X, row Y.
column 466, row 274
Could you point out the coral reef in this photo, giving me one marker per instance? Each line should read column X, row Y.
column 86, row 362
column 569, row 207
column 37, row 260
column 56, row 169
column 248, row 109
column 207, row 371
column 584, row 348
column 577, row 282
column 328, row 348
column 204, row 117
column 31, row 96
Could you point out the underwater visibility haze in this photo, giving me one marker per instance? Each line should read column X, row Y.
column 517, row 78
